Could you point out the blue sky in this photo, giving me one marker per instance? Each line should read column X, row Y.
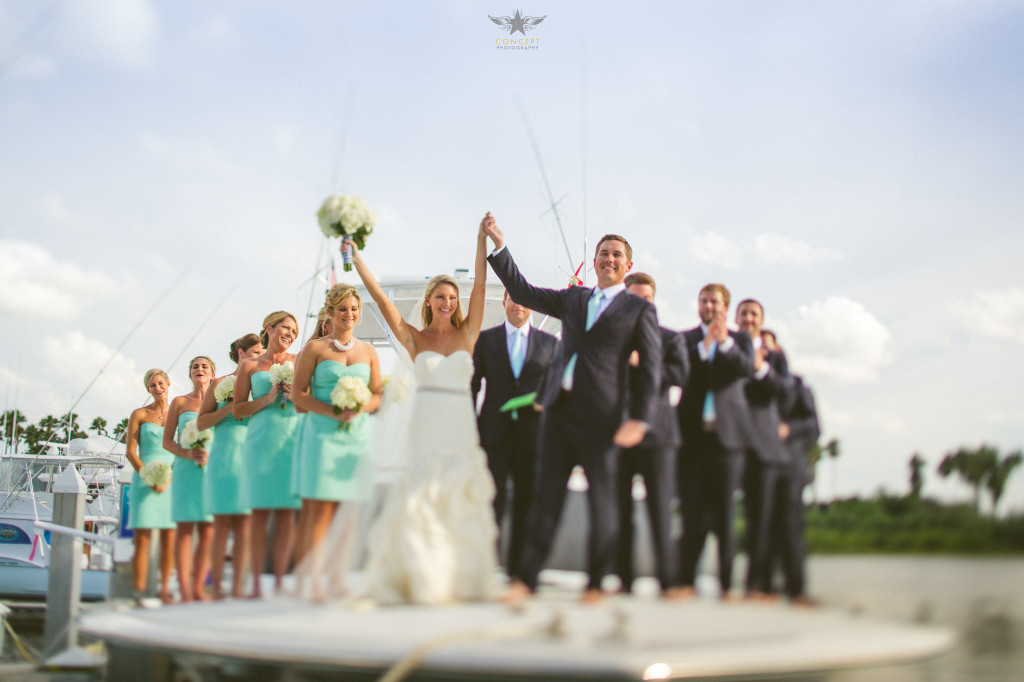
column 854, row 165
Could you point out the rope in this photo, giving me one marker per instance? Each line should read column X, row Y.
column 26, row 650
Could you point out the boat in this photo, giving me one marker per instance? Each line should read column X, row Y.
column 26, row 500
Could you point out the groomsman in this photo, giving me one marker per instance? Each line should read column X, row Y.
column 715, row 423
column 585, row 402
column 800, row 431
column 512, row 359
column 764, row 392
column 654, row 459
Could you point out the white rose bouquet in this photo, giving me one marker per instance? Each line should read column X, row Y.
column 192, row 437
column 225, row 390
column 156, row 474
column 350, row 393
column 346, row 216
column 282, row 373
column 395, row 388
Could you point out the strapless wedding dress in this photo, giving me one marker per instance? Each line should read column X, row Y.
column 434, row 541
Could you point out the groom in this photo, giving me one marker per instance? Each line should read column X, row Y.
column 584, row 399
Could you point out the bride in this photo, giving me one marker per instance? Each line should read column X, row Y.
column 435, row 539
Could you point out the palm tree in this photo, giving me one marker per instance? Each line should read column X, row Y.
column 916, row 475
column 982, row 467
column 830, row 448
column 99, row 426
column 13, row 429
column 120, row 429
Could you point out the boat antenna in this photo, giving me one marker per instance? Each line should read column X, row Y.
column 544, row 177
column 583, row 142
column 120, row 346
column 203, row 324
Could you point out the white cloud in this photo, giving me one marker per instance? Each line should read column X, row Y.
column 717, row 249
column 768, row 249
column 837, row 338
column 118, row 32
column 33, row 284
column 999, row 314
column 778, row 249
column 72, row 360
column 216, row 33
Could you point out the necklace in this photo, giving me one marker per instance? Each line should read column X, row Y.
column 343, row 346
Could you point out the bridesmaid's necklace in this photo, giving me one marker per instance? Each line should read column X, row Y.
column 343, row 346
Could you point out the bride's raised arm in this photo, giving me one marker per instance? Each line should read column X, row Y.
column 477, row 297
column 401, row 329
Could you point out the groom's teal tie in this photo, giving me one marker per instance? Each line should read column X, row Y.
column 593, row 308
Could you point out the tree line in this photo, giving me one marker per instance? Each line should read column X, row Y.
column 18, row 431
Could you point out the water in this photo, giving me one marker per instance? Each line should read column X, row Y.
column 981, row 599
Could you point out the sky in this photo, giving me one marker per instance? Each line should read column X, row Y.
column 854, row 165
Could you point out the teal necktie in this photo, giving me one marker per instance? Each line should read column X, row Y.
column 518, row 354
column 593, row 308
column 708, row 414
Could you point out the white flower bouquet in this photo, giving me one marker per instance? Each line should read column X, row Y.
column 156, row 474
column 192, row 437
column 350, row 393
column 282, row 373
column 343, row 216
column 395, row 388
column 225, row 390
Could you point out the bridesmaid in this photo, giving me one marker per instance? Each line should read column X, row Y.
column 324, row 325
column 187, row 493
column 330, row 457
column 150, row 507
column 269, row 446
column 226, row 497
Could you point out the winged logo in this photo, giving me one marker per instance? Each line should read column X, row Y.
column 517, row 22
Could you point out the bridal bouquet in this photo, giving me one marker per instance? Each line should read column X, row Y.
column 350, row 393
column 156, row 474
column 192, row 437
column 346, row 216
column 282, row 373
column 395, row 388
column 225, row 390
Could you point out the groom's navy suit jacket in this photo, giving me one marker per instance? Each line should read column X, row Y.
column 601, row 379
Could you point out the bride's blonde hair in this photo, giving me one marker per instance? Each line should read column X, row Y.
column 432, row 285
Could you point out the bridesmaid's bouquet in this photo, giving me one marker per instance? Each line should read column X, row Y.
column 156, row 474
column 225, row 390
column 346, row 216
column 282, row 373
column 350, row 393
column 192, row 437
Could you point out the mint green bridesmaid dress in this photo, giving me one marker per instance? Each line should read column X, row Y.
column 188, row 490
column 225, row 483
column 329, row 457
column 269, row 450
column 148, row 509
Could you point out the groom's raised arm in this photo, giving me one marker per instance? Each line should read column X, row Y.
column 547, row 301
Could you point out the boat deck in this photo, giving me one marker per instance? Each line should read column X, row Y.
column 553, row 637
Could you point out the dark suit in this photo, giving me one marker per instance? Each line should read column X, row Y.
column 711, row 459
column 655, row 460
column 510, row 443
column 578, row 425
column 765, row 458
column 787, row 523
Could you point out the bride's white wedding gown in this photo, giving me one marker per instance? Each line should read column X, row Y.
column 434, row 541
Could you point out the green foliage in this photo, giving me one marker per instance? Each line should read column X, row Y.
column 909, row 525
